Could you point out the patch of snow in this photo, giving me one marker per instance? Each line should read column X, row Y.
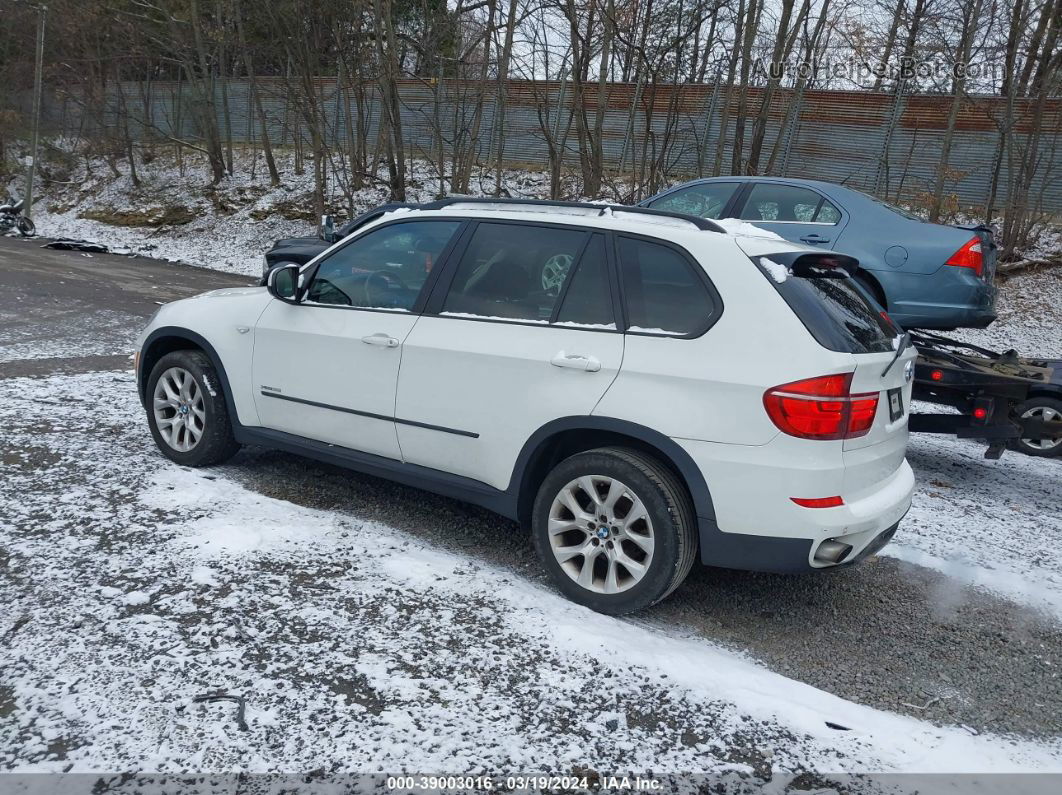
column 735, row 226
column 994, row 524
column 646, row 330
column 473, row 316
column 778, row 271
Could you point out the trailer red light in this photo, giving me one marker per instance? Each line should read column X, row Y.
column 969, row 256
column 818, row 502
column 980, row 413
column 821, row 408
column 937, row 375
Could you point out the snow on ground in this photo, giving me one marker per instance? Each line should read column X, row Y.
column 995, row 524
column 133, row 585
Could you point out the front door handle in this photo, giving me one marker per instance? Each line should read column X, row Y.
column 814, row 238
column 383, row 340
column 576, row 361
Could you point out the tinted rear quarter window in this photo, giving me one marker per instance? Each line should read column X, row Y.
column 836, row 311
column 661, row 291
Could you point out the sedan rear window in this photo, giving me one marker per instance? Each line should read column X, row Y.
column 835, row 310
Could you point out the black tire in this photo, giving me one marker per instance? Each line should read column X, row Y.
column 667, row 504
column 217, row 444
column 25, row 226
column 1032, row 404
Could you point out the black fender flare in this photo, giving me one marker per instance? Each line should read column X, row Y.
column 178, row 332
column 675, row 455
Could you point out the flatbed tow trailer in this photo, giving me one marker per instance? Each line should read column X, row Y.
column 991, row 391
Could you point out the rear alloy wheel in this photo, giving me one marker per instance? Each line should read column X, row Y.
column 186, row 410
column 615, row 529
column 1044, row 409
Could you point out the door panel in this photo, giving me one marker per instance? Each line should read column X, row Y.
column 486, row 384
column 327, row 369
column 344, row 359
column 495, row 380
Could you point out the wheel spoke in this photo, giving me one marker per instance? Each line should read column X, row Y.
column 612, row 577
column 567, row 497
column 635, row 568
column 587, row 484
column 564, row 554
column 636, row 512
column 615, row 491
column 557, row 526
column 586, row 574
column 644, row 543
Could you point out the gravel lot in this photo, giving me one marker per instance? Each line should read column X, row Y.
column 378, row 625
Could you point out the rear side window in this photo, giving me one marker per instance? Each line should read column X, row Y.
column 514, row 271
column 768, row 201
column 836, row 312
column 661, row 291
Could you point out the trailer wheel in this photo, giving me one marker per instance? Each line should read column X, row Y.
column 1045, row 409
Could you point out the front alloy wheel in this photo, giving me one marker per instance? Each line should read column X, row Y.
column 186, row 410
column 180, row 413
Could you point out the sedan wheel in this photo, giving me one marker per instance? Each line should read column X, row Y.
column 601, row 534
column 179, row 409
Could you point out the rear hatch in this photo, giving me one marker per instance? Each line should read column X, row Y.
column 820, row 290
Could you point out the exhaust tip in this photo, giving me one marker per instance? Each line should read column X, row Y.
column 832, row 552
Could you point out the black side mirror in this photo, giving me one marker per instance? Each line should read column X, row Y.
column 327, row 230
column 283, row 282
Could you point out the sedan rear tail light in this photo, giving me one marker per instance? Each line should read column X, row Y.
column 821, row 408
column 969, row 256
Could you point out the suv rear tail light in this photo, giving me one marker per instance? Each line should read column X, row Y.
column 821, row 408
column 969, row 256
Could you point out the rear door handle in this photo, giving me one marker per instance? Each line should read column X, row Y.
column 814, row 238
column 576, row 361
column 383, row 340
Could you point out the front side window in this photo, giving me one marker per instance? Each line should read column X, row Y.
column 768, row 201
column 514, row 271
column 706, row 200
column 384, row 268
column 662, row 293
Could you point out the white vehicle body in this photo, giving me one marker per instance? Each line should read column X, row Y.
column 464, row 404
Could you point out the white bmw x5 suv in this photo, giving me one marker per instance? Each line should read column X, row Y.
column 639, row 388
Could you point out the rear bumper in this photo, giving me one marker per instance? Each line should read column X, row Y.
column 776, row 555
column 946, row 299
column 756, row 525
column 942, row 318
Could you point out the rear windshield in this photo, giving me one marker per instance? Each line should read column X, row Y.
column 836, row 311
